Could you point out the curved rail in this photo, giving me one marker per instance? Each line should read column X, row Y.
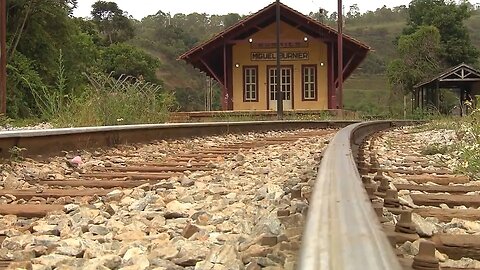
column 342, row 231
column 53, row 141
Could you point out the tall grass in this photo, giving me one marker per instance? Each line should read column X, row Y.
column 107, row 101
column 51, row 102
column 117, row 101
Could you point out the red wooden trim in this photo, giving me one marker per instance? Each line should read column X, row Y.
column 245, row 86
column 214, row 74
column 315, row 84
column 230, row 77
column 345, row 68
column 331, row 75
column 225, row 96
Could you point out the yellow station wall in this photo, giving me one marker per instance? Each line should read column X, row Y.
column 317, row 55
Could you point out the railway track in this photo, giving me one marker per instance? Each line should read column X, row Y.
column 235, row 201
column 393, row 206
column 437, row 208
column 224, row 201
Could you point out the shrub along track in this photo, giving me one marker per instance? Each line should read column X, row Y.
column 49, row 208
column 422, row 204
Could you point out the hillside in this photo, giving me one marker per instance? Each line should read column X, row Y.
column 367, row 89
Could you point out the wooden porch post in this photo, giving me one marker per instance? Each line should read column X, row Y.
column 330, row 75
column 333, row 97
column 225, row 96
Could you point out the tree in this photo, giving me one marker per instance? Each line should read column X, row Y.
column 448, row 18
column 112, row 22
column 354, row 12
column 419, row 58
column 230, row 19
column 333, row 16
column 37, row 31
column 129, row 60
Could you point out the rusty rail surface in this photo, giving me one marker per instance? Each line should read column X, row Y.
column 53, row 141
column 342, row 230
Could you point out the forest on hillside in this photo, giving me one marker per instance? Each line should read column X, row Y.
column 57, row 62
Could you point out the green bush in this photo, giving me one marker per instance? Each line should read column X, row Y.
column 22, row 81
column 124, row 59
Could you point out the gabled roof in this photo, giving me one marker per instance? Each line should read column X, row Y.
column 456, row 74
column 212, row 56
column 242, row 29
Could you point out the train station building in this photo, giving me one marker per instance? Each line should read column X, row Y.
column 242, row 59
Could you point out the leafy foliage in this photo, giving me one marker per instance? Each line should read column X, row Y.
column 112, row 22
column 48, row 50
column 448, row 18
column 123, row 59
column 419, row 58
column 22, row 81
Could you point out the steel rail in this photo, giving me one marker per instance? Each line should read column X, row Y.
column 342, row 229
column 52, row 141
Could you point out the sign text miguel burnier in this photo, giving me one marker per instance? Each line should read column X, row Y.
column 285, row 56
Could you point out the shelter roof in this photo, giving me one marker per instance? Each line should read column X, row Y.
column 453, row 76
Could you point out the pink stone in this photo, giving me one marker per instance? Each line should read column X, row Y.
column 77, row 160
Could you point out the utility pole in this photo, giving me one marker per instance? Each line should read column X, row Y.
column 3, row 57
column 339, row 94
column 278, row 84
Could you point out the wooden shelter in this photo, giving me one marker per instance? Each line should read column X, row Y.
column 463, row 79
column 242, row 59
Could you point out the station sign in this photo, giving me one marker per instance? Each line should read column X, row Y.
column 284, row 56
column 285, row 44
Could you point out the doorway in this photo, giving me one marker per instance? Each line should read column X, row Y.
column 286, row 86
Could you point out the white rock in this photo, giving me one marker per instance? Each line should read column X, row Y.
column 114, row 195
column 53, row 260
column 136, row 257
column 423, row 226
column 18, row 242
column 70, row 247
column 46, row 240
column 104, row 262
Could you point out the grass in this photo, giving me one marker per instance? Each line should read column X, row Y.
column 108, row 101
column 118, row 101
column 466, row 148
column 372, row 97
column 434, row 149
column 253, row 116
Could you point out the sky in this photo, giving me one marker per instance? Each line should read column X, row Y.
column 141, row 8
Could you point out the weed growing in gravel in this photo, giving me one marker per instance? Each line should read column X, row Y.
column 16, row 153
column 466, row 149
column 4, row 120
column 468, row 146
column 434, row 149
